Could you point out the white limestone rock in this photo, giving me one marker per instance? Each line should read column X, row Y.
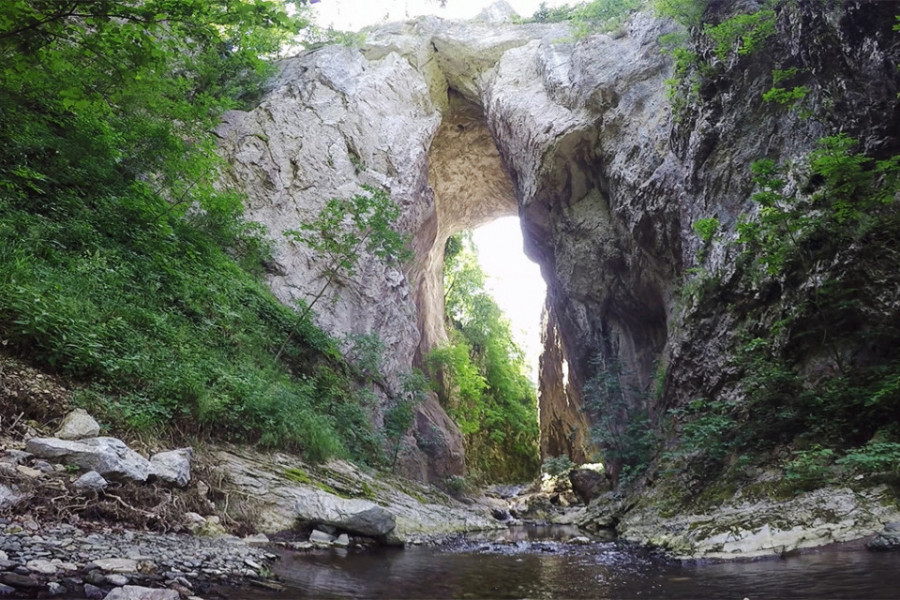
column 173, row 467
column 110, row 457
column 78, row 424
column 92, row 480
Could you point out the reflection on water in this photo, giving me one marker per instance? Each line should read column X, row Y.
column 525, row 567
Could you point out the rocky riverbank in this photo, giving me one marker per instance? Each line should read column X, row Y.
column 46, row 560
column 91, row 517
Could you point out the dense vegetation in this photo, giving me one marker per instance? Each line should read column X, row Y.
column 121, row 265
column 815, row 344
column 840, row 234
column 481, row 374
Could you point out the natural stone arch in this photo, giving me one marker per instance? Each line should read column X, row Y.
column 471, row 187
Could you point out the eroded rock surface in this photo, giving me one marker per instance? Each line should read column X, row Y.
column 395, row 511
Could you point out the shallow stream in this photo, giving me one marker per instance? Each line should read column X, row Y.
column 530, row 562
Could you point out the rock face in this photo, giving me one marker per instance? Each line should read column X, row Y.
column 753, row 528
column 281, row 503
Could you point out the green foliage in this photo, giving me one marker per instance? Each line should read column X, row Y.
column 118, row 98
column 689, row 13
column 365, row 355
column 744, row 33
column 596, row 16
column 316, row 37
column 853, row 188
column 706, row 229
column 481, row 374
column 786, row 97
column 344, row 228
column 298, row 475
column 399, row 413
column 622, row 428
column 709, row 429
column 810, row 468
column 557, row 465
column 877, row 456
column 121, row 264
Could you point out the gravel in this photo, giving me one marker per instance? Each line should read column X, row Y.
column 66, row 560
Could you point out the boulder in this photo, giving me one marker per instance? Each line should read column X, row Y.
column 110, row 457
column 588, row 484
column 172, row 467
column 205, row 527
column 888, row 539
column 361, row 517
column 78, row 424
column 92, row 480
column 320, row 537
column 133, row 592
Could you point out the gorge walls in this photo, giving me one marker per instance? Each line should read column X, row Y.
column 462, row 123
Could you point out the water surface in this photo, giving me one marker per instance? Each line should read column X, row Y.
column 524, row 564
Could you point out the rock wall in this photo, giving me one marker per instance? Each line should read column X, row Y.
column 465, row 122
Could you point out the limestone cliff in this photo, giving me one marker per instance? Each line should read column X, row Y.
column 462, row 123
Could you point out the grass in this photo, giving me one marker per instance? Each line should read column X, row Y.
column 165, row 324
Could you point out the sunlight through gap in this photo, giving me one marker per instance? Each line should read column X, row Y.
column 515, row 283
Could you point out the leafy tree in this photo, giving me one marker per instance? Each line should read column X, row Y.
column 621, row 428
column 120, row 96
column 344, row 228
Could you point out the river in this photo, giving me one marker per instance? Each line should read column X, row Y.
column 529, row 563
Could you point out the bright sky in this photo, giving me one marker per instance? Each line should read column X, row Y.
column 515, row 283
column 352, row 15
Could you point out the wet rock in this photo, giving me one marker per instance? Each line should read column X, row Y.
column 320, row 537
column 92, row 592
column 18, row 580
column 133, row 592
column 117, row 580
column 888, row 539
column 29, row 472
column 92, row 480
column 6, row 590
column 15, row 457
column 501, row 514
column 172, row 467
column 580, row 540
column 208, row 527
column 56, row 589
column 257, row 539
column 78, row 424
column 108, row 456
column 342, row 541
column 44, row 567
